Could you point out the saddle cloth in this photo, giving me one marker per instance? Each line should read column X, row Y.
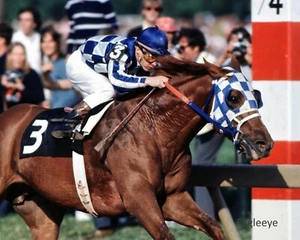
column 38, row 141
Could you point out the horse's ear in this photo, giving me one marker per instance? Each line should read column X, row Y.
column 214, row 70
column 235, row 64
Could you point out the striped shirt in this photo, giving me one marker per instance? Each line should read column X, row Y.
column 86, row 19
column 115, row 56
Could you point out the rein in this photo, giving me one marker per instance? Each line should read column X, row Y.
column 231, row 130
column 107, row 140
column 186, row 100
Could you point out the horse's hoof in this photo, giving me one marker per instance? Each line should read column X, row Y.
column 20, row 199
column 101, row 234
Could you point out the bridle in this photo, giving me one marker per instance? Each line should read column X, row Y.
column 221, row 115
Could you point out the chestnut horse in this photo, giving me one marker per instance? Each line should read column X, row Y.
column 144, row 170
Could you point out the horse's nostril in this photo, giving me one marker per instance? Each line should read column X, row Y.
column 261, row 145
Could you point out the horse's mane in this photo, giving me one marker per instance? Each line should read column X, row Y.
column 175, row 67
column 134, row 93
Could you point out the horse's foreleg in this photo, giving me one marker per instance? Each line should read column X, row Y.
column 143, row 205
column 42, row 217
column 181, row 208
column 140, row 201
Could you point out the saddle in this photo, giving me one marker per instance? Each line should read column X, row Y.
column 80, row 121
column 37, row 139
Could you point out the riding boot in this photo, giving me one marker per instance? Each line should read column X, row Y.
column 74, row 118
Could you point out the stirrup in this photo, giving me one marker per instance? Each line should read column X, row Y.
column 72, row 134
column 64, row 132
column 76, row 135
column 72, row 117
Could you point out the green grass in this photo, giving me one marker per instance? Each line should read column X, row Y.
column 13, row 227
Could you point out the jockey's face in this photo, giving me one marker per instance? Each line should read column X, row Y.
column 145, row 59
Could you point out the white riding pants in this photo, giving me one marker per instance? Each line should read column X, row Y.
column 94, row 87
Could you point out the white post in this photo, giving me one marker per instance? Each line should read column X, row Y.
column 276, row 72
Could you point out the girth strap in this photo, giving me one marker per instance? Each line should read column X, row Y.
column 81, row 183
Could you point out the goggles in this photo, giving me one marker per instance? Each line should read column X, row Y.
column 147, row 56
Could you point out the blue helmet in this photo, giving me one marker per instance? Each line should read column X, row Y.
column 154, row 41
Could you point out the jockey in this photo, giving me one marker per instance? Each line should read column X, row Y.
column 103, row 67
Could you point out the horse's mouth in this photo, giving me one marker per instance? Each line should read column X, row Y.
column 252, row 151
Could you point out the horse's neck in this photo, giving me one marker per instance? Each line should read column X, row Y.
column 164, row 118
column 178, row 119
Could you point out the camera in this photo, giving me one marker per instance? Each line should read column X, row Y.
column 13, row 75
column 240, row 47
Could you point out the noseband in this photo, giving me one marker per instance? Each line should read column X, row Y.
column 221, row 115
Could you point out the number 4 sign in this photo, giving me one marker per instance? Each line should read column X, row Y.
column 276, row 4
column 275, row 10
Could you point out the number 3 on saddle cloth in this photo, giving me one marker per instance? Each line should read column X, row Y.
column 37, row 139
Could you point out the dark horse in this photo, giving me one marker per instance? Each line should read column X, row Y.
column 145, row 169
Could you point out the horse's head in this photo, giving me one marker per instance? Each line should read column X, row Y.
column 232, row 103
column 235, row 111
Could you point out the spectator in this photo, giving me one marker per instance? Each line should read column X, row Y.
column 88, row 18
column 22, row 84
column 54, row 70
column 28, row 34
column 192, row 46
column 167, row 24
column 151, row 10
column 238, row 45
column 6, row 32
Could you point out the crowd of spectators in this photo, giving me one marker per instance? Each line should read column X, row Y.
column 33, row 55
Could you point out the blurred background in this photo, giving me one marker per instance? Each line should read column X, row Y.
column 188, row 9
column 216, row 19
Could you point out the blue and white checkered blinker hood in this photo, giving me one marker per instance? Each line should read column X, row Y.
column 222, row 113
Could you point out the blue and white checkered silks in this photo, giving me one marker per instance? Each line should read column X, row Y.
column 221, row 112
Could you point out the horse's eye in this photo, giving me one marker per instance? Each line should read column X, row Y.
column 233, row 99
